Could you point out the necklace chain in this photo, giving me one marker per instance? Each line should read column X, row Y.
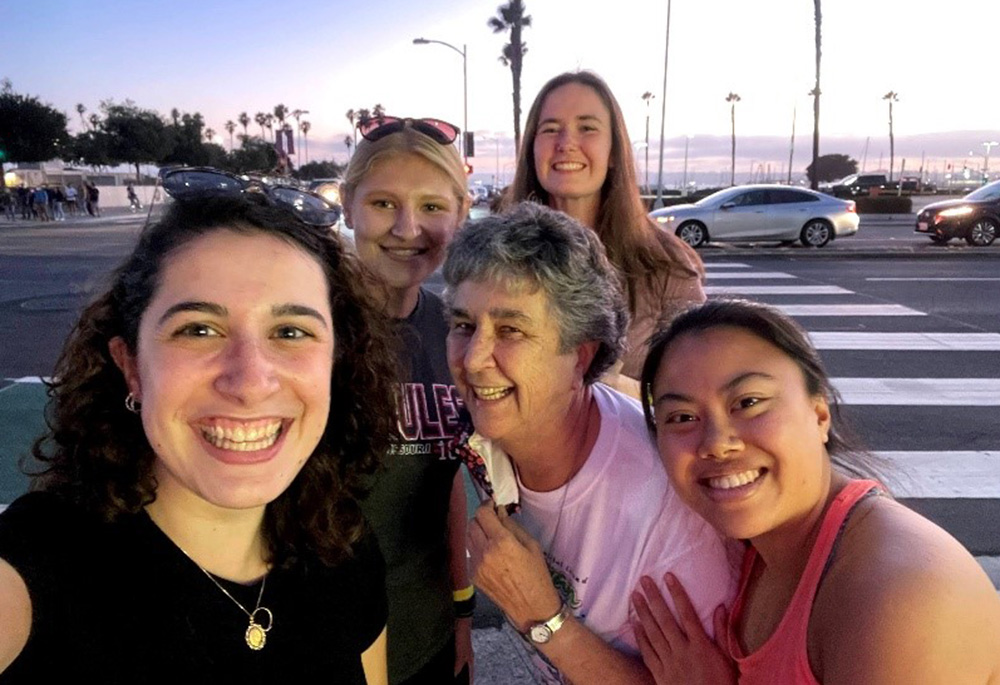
column 256, row 634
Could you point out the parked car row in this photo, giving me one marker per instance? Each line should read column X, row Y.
column 761, row 213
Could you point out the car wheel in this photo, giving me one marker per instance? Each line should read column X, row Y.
column 982, row 233
column 816, row 233
column 693, row 233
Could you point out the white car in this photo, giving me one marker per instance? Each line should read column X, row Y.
column 761, row 213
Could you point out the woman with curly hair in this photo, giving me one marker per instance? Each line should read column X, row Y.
column 576, row 157
column 211, row 418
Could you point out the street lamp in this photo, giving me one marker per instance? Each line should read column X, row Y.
column 465, row 87
column 986, row 160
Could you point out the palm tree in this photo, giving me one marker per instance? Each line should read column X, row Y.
column 818, row 15
column 378, row 112
column 95, row 121
column 230, row 127
column 175, row 115
column 364, row 116
column 244, row 120
column 304, row 127
column 892, row 96
column 351, row 116
column 80, row 109
column 348, row 141
column 732, row 99
column 261, row 120
column 511, row 17
column 280, row 112
column 209, row 134
column 269, row 122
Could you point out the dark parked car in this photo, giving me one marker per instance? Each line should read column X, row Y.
column 976, row 217
column 857, row 185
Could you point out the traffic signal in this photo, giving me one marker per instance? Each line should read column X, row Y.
column 470, row 144
column 468, row 169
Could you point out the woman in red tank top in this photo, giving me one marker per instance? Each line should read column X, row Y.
column 840, row 583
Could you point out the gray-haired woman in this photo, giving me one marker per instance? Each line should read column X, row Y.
column 537, row 315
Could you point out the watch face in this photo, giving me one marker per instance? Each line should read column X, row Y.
column 540, row 634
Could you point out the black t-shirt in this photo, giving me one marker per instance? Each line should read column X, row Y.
column 408, row 506
column 120, row 603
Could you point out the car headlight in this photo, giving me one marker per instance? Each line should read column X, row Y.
column 955, row 211
column 667, row 219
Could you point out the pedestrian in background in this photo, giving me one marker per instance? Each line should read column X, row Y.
column 57, row 198
column 40, row 203
column 405, row 196
column 840, row 583
column 133, row 199
column 576, row 156
column 7, row 201
column 93, row 199
column 71, row 199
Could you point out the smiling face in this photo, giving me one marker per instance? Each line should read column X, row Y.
column 572, row 146
column 404, row 213
column 739, row 434
column 504, row 355
column 233, row 368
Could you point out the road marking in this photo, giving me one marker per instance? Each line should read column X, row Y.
column 754, row 274
column 927, row 342
column 848, row 310
column 726, row 265
column 946, row 280
column 927, row 392
column 944, row 475
column 776, row 290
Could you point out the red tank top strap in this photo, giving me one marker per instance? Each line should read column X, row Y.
column 829, row 532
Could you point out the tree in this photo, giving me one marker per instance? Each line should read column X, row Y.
column 511, row 18
column 364, row 116
column 269, row 122
column 80, row 109
column 304, row 127
column 209, row 134
column 30, row 130
column 135, row 135
column 378, row 111
column 313, row 170
column 261, row 120
column 892, row 96
column 89, row 148
column 244, row 120
column 818, row 20
column 230, row 127
column 831, row 168
column 348, row 142
column 351, row 116
column 255, row 155
column 732, row 99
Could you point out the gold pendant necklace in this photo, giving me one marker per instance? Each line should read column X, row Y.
column 256, row 634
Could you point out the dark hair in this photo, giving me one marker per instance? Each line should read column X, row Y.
column 644, row 254
column 96, row 452
column 540, row 247
column 774, row 327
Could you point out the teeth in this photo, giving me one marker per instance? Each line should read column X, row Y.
column 734, row 480
column 242, row 438
column 491, row 394
column 412, row 252
column 568, row 166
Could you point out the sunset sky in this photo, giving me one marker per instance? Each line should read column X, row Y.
column 221, row 57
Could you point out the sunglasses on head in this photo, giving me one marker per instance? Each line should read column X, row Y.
column 379, row 127
column 193, row 182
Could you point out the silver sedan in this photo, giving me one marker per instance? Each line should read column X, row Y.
column 756, row 213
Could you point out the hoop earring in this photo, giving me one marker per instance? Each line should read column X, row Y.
column 132, row 405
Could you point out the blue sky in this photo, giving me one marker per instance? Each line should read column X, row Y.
column 223, row 57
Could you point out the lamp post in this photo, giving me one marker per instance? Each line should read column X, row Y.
column 658, row 203
column 465, row 87
column 647, row 96
column 986, row 159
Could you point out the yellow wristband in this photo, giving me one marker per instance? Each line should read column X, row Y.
column 463, row 594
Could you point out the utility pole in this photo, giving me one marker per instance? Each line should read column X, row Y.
column 791, row 150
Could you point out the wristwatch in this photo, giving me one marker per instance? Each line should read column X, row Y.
column 540, row 633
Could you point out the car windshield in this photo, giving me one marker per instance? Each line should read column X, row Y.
column 986, row 193
column 717, row 196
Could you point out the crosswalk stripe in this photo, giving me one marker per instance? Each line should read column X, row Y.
column 726, row 265
column 776, row 290
column 974, row 475
column 761, row 275
column 927, row 342
column 927, row 392
column 848, row 310
column 959, row 279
